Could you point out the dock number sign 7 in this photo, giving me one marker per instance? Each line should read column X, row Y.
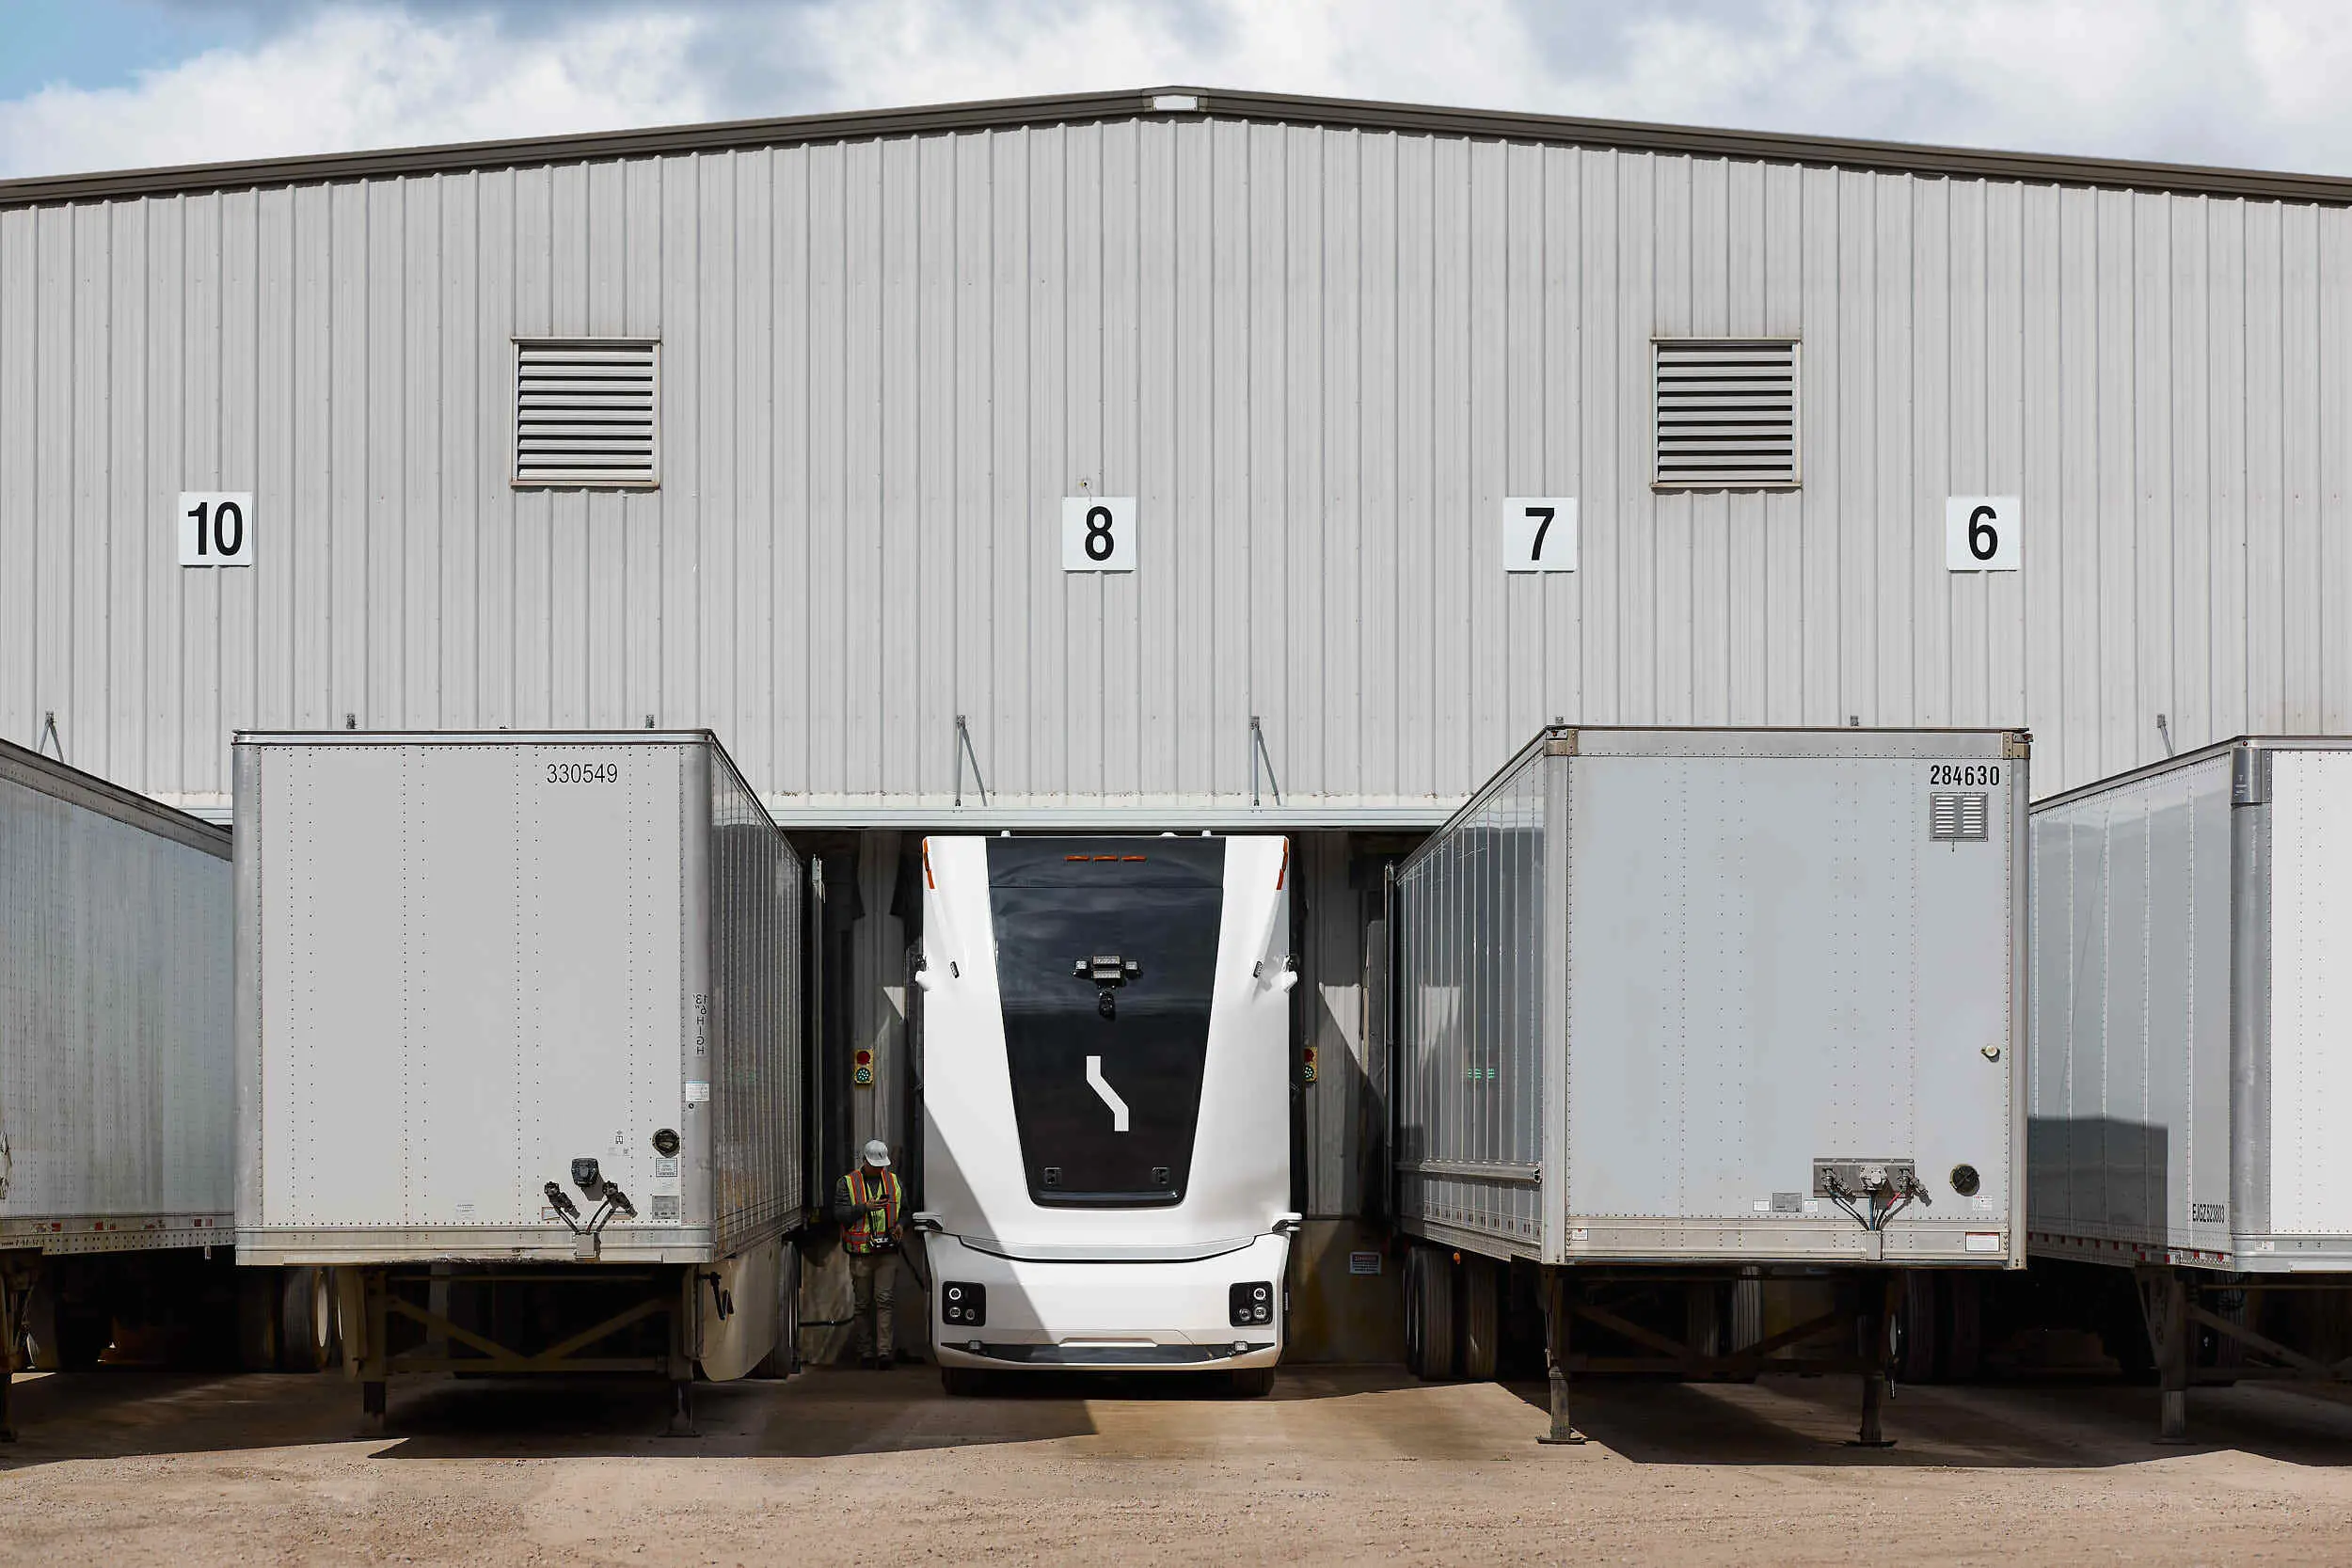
column 215, row 527
column 1540, row 533
column 1981, row 534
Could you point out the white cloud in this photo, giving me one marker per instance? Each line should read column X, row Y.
column 2195, row 80
column 355, row 79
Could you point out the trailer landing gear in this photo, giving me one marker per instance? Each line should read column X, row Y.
column 1562, row 1433
column 1878, row 1304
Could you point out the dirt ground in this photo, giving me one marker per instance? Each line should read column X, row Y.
column 121, row 1466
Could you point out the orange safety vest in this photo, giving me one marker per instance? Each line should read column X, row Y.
column 862, row 1234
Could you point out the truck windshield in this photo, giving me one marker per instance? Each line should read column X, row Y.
column 1106, row 959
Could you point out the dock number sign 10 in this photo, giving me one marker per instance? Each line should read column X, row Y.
column 215, row 527
column 1981, row 534
column 1540, row 533
column 1098, row 533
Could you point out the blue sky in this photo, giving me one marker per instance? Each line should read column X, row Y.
column 111, row 84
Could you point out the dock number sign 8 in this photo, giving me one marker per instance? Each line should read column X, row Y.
column 1540, row 533
column 1981, row 534
column 1098, row 533
column 215, row 527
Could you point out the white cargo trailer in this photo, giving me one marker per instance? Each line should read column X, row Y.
column 2192, row 949
column 1673, row 1006
column 519, row 1024
column 116, row 1090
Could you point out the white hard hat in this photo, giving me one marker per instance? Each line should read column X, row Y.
column 878, row 1153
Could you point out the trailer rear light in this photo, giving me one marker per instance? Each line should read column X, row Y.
column 1249, row 1305
column 929, row 880
column 964, row 1304
column 1284, row 870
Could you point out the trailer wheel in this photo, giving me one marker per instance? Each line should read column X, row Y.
column 1482, row 1319
column 1429, row 1313
column 1252, row 1383
column 962, row 1383
column 308, row 1341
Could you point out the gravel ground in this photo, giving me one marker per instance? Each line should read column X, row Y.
column 120, row 1466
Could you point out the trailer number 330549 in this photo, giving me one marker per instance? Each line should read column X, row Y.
column 1960, row 774
column 583, row 772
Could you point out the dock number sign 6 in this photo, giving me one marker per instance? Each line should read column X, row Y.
column 215, row 527
column 1981, row 534
column 1540, row 533
column 1098, row 533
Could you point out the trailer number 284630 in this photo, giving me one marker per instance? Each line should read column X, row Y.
column 583, row 772
column 1985, row 775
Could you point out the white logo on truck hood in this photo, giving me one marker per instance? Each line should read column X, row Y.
column 1110, row 1096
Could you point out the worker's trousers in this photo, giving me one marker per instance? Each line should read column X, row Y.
column 874, row 1288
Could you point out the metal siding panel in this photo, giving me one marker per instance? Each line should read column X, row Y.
column 1858, row 304
column 1781, row 235
column 1230, row 416
column 1047, row 678
column 1822, row 393
column 1380, row 397
column 1954, row 459
column 1670, row 608
column 234, row 608
column 1331, row 670
column 531, row 613
column 714, row 340
column 1748, row 606
column 1121, row 465
column 1161, row 455
column 20, row 534
column 2001, row 382
column 1078, row 387
column 2154, row 375
column 1452, row 723
column 2225, row 327
column 752, row 521
column 169, row 624
column 644, row 514
column 1934, row 624
column 2185, row 397
column 2332, row 581
column 1262, row 590
column 87, row 407
column 1419, row 612
column 792, row 692
column 827, row 695
column 1895, row 605
column 682, row 574
column 1489, row 393
column 2078, row 516
column 1602, row 343
column 2267, row 486
column 493, row 695
column 1638, row 524
column 1296, row 634
column 278, row 630
column 897, row 592
column 2301, row 416
column 460, row 437
column 416, row 530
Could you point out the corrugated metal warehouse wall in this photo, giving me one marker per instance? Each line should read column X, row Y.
column 1318, row 356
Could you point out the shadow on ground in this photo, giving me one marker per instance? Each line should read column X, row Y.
column 2079, row 1423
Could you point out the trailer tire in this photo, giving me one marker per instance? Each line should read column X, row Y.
column 962, row 1383
column 308, row 1341
column 1429, row 1314
column 1481, row 1318
column 1252, row 1383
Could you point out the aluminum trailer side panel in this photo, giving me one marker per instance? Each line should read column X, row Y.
column 1651, row 977
column 116, row 1083
column 2309, row 1076
column 471, row 960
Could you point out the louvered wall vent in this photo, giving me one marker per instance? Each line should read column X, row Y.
column 1954, row 818
column 587, row 411
column 1726, row 412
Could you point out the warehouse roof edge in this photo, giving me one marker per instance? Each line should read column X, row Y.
column 1180, row 102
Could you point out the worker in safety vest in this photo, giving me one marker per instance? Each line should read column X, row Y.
column 866, row 1204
